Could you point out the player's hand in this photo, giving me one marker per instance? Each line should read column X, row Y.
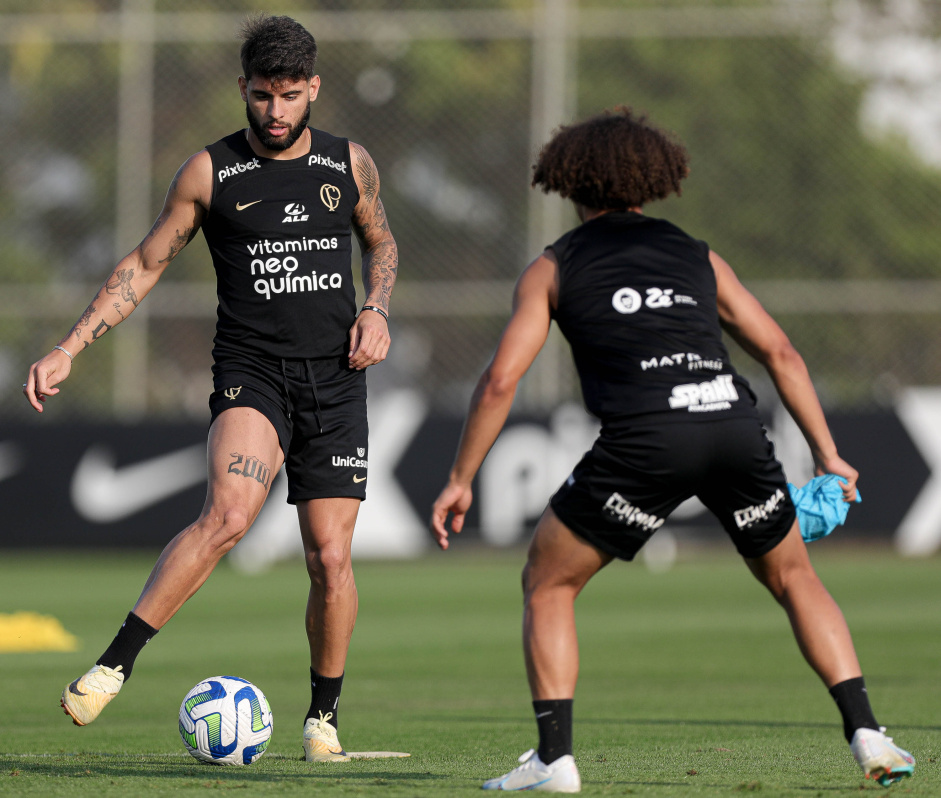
column 44, row 375
column 369, row 340
column 454, row 499
column 839, row 466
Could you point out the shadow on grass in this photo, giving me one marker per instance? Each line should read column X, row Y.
column 768, row 724
column 279, row 769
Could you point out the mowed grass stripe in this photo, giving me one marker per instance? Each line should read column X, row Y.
column 691, row 684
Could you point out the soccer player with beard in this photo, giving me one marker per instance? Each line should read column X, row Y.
column 643, row 306
column 277, row 204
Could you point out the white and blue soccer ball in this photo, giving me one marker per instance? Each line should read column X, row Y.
column 225, row 720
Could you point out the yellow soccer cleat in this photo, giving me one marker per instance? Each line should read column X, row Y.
column 320, row 741
column 84, row 698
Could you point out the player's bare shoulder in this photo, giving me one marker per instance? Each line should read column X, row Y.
column 193, row 180
column 364, row 173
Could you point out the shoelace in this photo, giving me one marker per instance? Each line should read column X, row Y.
column 103, row 679
column 528, row 759
column 325, row 728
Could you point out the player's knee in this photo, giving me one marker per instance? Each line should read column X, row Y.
column 331, row 563
column 540, row 583
column 788, row 577
column 223, row 528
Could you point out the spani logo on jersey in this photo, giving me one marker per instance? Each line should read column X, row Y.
column 717, row 394
column 225, row 720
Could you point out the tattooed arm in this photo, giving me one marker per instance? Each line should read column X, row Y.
column 369, row 336
column 133, row 277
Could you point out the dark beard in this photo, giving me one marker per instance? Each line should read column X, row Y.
column 273, row 142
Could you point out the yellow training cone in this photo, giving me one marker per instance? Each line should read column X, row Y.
column 30, row 631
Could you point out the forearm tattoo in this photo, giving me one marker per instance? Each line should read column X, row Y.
column 380, row 267
column 120, row 283
column 100, row 330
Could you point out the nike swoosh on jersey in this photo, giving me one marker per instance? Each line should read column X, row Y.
column 357, row 478
column 240, row 207
column 101, row 492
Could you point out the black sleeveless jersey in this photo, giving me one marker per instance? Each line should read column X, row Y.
column 637, row 304
column 280, row 239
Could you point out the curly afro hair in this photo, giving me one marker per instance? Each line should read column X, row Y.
column 277, row 48
column 611, row 161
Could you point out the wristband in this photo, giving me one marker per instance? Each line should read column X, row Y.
column 63, row 349
column 378, row 310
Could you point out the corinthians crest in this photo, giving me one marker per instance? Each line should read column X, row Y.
column 360, row 451
column 330, row 196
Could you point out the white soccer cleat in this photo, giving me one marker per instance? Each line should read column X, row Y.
column 84, row 698
column 880, row 758
column 321, row 743
column 533, row 774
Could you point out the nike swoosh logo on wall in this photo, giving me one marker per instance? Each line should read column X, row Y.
column 240, row 207
column 103, row 493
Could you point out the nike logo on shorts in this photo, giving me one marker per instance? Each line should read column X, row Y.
column 358, row 478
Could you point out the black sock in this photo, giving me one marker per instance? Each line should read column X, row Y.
column 554, row 719
column 133, row 635
column 325, row 696
column 853, row 702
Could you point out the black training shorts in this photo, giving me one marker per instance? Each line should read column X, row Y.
column 624, row 489
column 318, row 409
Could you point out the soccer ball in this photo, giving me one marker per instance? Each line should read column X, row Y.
column 225, row 720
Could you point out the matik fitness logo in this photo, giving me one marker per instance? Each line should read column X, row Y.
column 759, row 512
column 703, row 397
column 628, row 300
column 693, row 362
column 230, row 171
column 295, row 213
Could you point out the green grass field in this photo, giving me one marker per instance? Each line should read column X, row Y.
column 691, row 684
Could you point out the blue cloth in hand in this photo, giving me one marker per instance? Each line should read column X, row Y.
column 820, row 505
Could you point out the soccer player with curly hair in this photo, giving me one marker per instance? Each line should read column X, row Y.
column 643, row 306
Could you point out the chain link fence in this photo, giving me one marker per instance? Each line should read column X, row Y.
column 815, row 172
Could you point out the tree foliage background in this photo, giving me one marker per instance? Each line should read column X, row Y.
column 813, row 173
